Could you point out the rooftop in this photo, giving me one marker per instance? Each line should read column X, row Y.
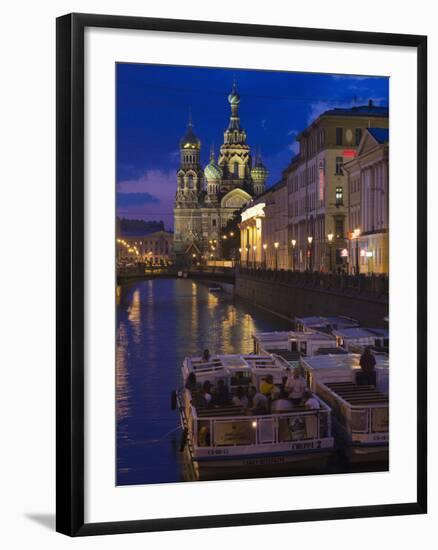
column 360, row 110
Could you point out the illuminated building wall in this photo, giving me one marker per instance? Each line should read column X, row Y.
column 368, row 206
column 318, row 193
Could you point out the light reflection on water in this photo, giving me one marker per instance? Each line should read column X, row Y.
column 159, row 322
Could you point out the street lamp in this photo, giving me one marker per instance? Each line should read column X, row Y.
column 293, row 243
column 276, row 245
column 330, row 240
column 310, row 240
column 356, row 234
column 247, row 254
column 240, row 256
column 265, row 246
column 254, row 257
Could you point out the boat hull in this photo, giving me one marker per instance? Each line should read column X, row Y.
column 261, row 465
column 359, row 454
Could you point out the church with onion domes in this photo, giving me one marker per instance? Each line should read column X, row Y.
column 206, row 199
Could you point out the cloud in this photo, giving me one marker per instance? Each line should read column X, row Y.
column 294, row 147
column 263, row 123
column 135, row 199
column 293, row 132
column 148, row 197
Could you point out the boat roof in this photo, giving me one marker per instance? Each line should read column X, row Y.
column 348, row 360
column 226, row 364
column 292, row 334
column 357, row 394
column 286, row 354
column 360, row 332
column 334, row 320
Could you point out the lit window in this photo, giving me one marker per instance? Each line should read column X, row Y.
column 339, row 195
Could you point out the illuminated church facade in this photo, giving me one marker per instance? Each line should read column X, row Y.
column 206, row 199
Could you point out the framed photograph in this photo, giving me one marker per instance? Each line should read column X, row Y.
column 241, row 274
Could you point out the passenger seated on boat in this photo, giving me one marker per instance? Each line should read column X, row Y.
column 267, row 385
column 221, row 395
column 240, row 399
column 206, row 355
column 205, row 396
column 281, row 403
column 310, row 401
column 296, row 386
column 260, row 404
column 250, row 394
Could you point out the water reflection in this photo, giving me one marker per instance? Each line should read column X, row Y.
column 159, row 322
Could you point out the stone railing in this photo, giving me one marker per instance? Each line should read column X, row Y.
column 371, row 285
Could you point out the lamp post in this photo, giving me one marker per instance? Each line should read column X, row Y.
column 356, row 234
column 293, row 243
column 240, row 256
column 330, row 241
column 254, row 247
column 310, row 240
column 276, row 245
column 247, row 255
column 265, row 246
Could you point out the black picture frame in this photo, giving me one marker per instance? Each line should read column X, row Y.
column 70, row 273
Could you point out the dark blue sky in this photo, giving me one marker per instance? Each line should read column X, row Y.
column 153, row 102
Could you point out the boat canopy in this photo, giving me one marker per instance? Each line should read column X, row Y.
column 235, row 368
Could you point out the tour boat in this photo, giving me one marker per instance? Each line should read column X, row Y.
column 231, row 440
column 298, row 343
column 357, row 338
column 326, row 324
column 360, row 412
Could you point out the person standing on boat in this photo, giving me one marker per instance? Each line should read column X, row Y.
column 311, row 421
column 267, row 385
column 206, row 355
column 367, row 362
column 296, row 386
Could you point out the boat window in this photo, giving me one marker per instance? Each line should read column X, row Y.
column 240, row 378
column 380, row 420
column 359, row 421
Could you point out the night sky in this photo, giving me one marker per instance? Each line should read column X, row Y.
column 153, row 104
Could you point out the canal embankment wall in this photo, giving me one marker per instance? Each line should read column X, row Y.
column 304, row 296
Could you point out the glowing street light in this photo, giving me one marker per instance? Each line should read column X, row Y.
column 330, row 241
column 276, row 245
column 310, row 240
column 293, row 243
column 356, row 235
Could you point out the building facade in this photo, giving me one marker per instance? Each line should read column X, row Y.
column 207, row 199
column 318, row 194
column 154, row 249
column 368, row 204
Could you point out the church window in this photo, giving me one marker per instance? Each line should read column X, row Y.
column 236, row 168
column 190, row 182
column 213, row 222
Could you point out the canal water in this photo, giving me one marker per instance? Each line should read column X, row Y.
column 159, row 322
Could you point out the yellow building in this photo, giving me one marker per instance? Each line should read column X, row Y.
column 252, row 253
column 317, row 186
column 368, row 206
